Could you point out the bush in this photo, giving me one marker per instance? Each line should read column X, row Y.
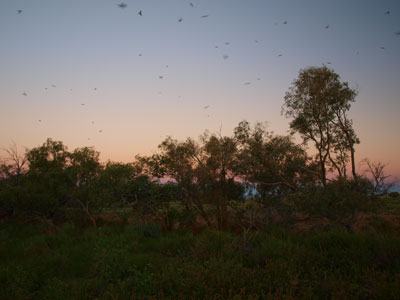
column 340, row 201
column 394, row 194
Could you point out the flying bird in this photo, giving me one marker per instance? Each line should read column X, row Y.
column 328, row 63
column 387, row 12
column 205, row 16
column 285, row 22
column 258, row 78
column 161, row 77
column 279, row 55
column 83, row 104
column 19, row 11
column 122, row 5
column 327, row 27
column 383, row 48
column 180, row 20
column 140, row 54
column 256, row 41
column 95, row 89
column 140, row 13
column 25, row 94
column 227, row 43
column 247, row 83
column 53, row 85
column 100, row 131
column 40, row 120
column 207, row 106
column 191, row 4
column 226, row 56
column 397, row 33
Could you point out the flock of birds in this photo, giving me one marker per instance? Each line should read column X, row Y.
column 123, row 5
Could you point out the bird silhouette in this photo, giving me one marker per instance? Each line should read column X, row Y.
column 258, row 78
column 83, row 104
column 397, row 33
column 387, row 12
column 247, row 83
column 95, row 89
column 227, row 43
column 160, row 77
column 226, row 56
column 122, row 5
column 140, row 54
column 327, row 27
column 25, row 94
column 285, row 22
column 100, row 131
column 19, row 11
column 279, row 55
column 140, row 13
column 204, row 16
column 191, row 4
column 383, row 48
column 180, row 20
column 328, row 63
column 207, row 106
column 40, row 120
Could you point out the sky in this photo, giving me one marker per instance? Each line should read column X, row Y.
column 90, row 73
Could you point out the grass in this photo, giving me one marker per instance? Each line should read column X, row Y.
column 392, row 205
column 142, row 262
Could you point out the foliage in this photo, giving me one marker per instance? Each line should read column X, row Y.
column 340, row 201
column 318, row 103
column 123, row 263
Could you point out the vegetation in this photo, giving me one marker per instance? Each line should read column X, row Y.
column 234, row 189
column 141, row 262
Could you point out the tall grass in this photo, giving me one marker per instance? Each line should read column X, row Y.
column 142, row 262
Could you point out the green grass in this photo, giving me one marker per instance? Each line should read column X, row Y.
column 391, row 205
column 142, row 262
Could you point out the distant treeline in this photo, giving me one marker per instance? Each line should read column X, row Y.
column 211, row 177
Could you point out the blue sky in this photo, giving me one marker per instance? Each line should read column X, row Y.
column 83, row 45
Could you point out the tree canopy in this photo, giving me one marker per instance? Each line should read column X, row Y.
column 318, row 103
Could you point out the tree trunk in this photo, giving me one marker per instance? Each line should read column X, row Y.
column 323, row 170
column 353, row 163
column 85, row 208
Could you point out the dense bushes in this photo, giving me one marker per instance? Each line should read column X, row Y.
column 250, row 180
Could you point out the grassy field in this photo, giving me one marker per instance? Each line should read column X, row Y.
column 142, row 262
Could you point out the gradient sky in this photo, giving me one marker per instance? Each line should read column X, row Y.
column 82, row 45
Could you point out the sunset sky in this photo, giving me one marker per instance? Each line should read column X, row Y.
column 90, row 70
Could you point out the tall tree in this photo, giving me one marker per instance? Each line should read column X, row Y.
column 83, row 172
column 318, row 103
